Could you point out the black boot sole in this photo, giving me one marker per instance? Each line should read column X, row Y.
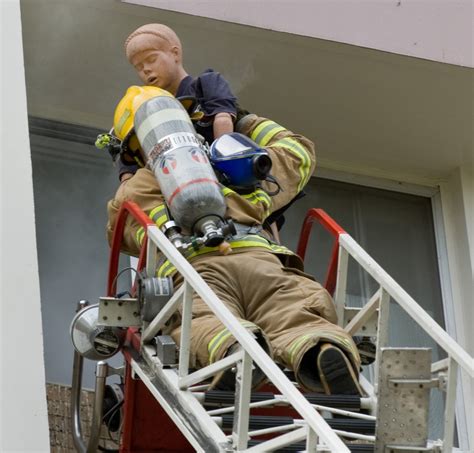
column 336, row 372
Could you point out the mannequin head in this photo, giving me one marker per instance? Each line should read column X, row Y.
column 155, row 52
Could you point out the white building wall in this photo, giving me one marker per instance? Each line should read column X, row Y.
column 438, row 30
column 467, row 183
column 457, row 204
column 456, row 194
column 23, row 412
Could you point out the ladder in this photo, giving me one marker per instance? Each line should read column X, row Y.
column 391, row 417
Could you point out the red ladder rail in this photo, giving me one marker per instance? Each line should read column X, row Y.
column 147, row 427
column 320, row 216
column 128, row 208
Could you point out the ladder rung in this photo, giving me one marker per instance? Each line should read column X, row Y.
column 263, row 421
column 300, row 446
column 227, row 398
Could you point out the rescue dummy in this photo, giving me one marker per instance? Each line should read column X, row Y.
column 155, row 51
column 261, row 282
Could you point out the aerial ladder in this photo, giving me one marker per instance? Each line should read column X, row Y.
column 168, row 407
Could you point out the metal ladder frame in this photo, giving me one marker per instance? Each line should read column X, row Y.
column 346, row 247
column 184, row 385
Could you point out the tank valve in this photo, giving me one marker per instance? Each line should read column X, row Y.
column 173, row 233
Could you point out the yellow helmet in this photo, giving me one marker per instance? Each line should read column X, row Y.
column 121, row 140
column 124, row 117
column 125, row 111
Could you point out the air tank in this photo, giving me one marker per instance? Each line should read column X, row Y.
column 180, row 164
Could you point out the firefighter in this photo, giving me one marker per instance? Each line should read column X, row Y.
column 261, row 282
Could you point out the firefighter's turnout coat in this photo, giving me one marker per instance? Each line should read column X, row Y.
column 261, row 282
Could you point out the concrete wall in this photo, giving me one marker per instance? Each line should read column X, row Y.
column 23, row 413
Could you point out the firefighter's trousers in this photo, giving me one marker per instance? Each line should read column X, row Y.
column 290, row 309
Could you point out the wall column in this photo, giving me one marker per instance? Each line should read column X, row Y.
column 23, row 409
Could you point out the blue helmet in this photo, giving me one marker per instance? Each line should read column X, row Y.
column 239, row 162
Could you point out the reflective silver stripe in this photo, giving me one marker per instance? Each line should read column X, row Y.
column 267, row 133
column 160, row 117
column 126, row 114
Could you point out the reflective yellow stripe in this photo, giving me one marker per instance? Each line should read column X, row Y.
column 167, row 269
column 250, row 197
column 259, row 129
column 158, row 209
column 296, row 346
column 264, row 134
column 254, row 197
column 140, row 234
column 299, row 151
column 218, row 340
column 266, row 139
column 213, row 350
column 138, row 161
column 161, row 220
column 159, row 215
column 263, row 197
column 246, row 241
column 258, row 195
column 226, row 191
column 265, row 131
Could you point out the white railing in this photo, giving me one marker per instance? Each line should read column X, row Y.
column 312, row 427
column 389, row 288
column 315, row 429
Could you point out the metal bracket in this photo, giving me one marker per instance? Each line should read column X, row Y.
column 368, row 329
column 166, row 350
column 415, row 383
column 112, row 371
column 119, row 312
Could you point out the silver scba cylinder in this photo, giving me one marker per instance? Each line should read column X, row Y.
column 91, row 340
column 181, row 166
